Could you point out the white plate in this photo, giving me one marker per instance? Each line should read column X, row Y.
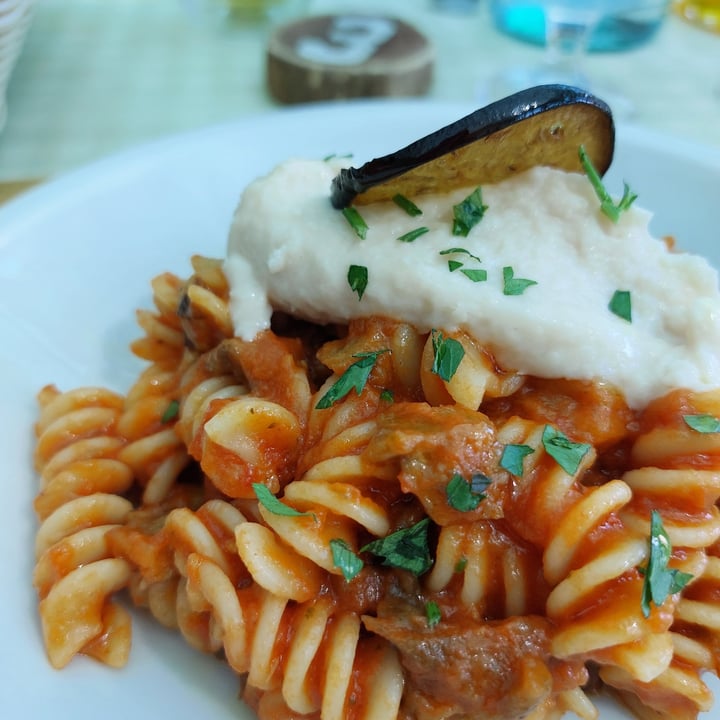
column 76, row 258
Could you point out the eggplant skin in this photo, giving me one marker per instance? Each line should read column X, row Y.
column 543, row 125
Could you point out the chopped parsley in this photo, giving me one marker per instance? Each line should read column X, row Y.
column 660, row 581
column 387, row 395
column 432, row 613
column 412, row 235
column 345, row 559
column 474, row 274
column 407, row 205
column 357, row 278
column 171, row 412
column 607, row 205
column 459, row 251
column 620, row 304
column 513, row 285
column 447, row 355
column 354, row 377
column 407, row 548
column 565, row 452
column 460, row 565
column 275, row 506
column 466, row 496
column 468, row 213
column 702, row 423
column 357, row 223
column 512, row 458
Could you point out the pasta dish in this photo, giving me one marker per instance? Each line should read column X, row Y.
column 432, row 458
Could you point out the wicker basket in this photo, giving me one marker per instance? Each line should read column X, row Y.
column 15, row 17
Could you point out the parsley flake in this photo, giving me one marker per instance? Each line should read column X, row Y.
column 354, row 377
column 412, row 235
column 407, row 205
column 345, row 559
column 607, row 205
column 357, row 278
column 468, row 213
column 513, row 285
column 387, row 395
column 459, row 251
column 476, row 275
column 660, row 580
column 460, row 565
column 447, row 355
column 702, row 423
column 274, row 505
column 512, row 458
column 620, row 305
column 357, row 223
column 466, row 496
column 432, row 613
column 565, row 452
column 406, row 549
column 171, row 412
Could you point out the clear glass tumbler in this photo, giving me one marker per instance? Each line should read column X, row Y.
column 619, row 25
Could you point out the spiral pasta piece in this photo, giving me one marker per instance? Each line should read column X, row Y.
column 153, row 450
column 164, row 339
column 74, row 426
column 337, row 485
column 275, row 565
column 141, row 542
column 499, row 574
column 275, row 637
column 238, row 435
column 249, row 440
column 160, row 558
column 477, row 377
column 680, row 690
column 596, row 587
column 203, row 308
column 361, row 679
column 197, row 394
column 81, row 500
column 187, row 314
column 677, row 471
column 333, row 488
column 192, row 314
column 261, row 637
column 677, row 474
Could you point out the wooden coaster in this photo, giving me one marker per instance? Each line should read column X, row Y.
column 330, row 57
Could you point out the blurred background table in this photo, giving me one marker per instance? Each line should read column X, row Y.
column 96, row 76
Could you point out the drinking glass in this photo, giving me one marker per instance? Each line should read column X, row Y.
column 569, row 29
column 617, row 24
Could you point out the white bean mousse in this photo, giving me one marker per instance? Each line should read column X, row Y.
column 290, row 250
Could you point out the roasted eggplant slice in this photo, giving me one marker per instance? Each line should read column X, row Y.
column 543, row 125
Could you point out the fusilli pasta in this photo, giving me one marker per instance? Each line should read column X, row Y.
column 352, row 531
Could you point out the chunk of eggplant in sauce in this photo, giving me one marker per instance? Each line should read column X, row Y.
column 544, row 125
column 463, row 669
